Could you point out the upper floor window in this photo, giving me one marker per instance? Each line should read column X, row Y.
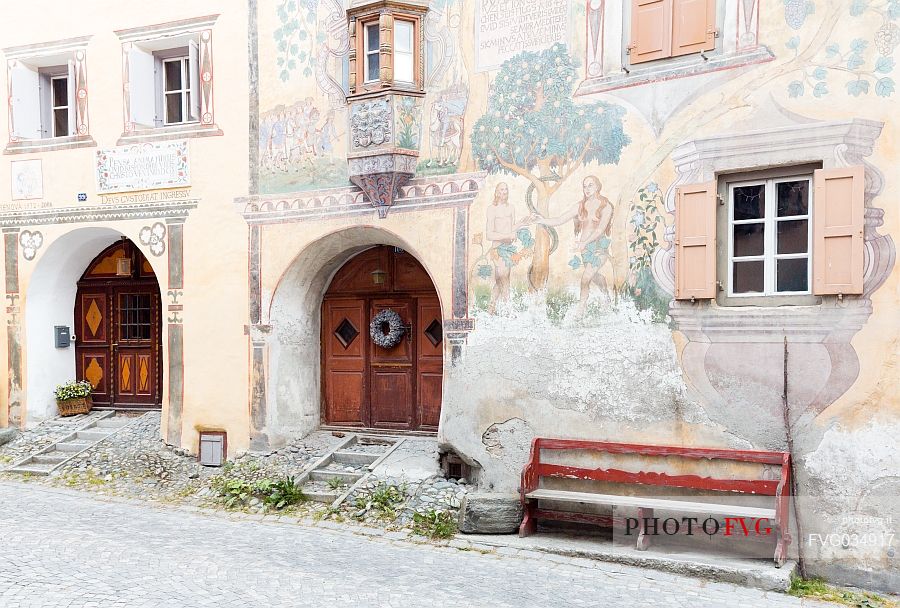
column 43, row 100
column 670, row 28
column 61, row 105
column 168, row 80
column 386, row 49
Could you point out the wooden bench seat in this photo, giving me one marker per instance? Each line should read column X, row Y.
column 682, row 506
column 534, row 496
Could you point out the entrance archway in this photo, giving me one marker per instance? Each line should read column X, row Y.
column 118, row 343
column 366, row 385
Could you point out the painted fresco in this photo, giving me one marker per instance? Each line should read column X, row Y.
column 569, row 244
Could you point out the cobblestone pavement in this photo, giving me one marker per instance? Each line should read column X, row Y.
column 62, row 548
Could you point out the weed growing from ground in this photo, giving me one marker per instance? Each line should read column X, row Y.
column 434, row 524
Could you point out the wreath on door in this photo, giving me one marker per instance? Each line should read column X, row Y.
column 387, row 328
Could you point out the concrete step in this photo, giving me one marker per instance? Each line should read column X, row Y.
column 325, row 475
column 112, row 423
column 32, row 468
column 355, row 457
column 91, row 435
column 72, row 446
column 50, row 458
column 319, row 496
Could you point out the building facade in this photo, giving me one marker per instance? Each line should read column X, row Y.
column 656, row 221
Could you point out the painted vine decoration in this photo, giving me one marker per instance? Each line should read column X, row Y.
column 387, row 319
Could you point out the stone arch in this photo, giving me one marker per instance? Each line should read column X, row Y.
column 50, row 301
column 293, row 387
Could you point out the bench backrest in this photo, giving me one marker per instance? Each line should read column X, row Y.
column 536, row 469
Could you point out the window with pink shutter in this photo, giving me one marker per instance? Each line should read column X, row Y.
column 669, row 28
column 838, row 231
column 695, row 241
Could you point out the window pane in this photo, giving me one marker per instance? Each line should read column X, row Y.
column 172, row 70
column 60, row 123
column 173, row 107
column 793, row 236
column 403, row 36
column 749, row 239
column 793, row 198
column 791, row 275
column 403, row 67
column 748, row 277
column 750, row 202
column 372, row 67
column 60, row 92
column 372, row 37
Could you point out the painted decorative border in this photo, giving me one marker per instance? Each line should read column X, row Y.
column 418, row 194
column 73, row 215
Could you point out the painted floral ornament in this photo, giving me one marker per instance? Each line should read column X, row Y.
column 389, row 320
column 154, row 237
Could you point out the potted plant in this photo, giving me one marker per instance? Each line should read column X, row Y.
column 73, row 397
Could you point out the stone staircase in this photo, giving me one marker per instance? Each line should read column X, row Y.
column 335, row 475
column 57, row 454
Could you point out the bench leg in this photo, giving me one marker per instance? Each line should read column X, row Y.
column 643, row 539
column 529, row 522
column 781, row 549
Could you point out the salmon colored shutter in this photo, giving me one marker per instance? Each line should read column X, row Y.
column 695, row 241
column 693, row 26
column 651, row 30
column 838, row 221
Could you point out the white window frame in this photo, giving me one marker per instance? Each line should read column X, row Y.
column 369, row 54
column 770, row 221
column 411, row 53
column 54, row 108
column 185, row 92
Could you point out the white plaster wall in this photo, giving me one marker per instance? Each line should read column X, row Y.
column 50, row 301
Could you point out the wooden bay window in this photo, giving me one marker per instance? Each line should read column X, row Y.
column 386, row 46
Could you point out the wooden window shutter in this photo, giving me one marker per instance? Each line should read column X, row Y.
column 695, row 241
column 142, row 92
column 25, row 101
column 651, row 30
column 693, row 26
column 838, row 222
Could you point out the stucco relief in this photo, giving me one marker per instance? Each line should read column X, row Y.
column 371, row 123
column 31, row 242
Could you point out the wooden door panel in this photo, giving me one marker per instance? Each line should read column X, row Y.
column 429, row 397
column 344, row 338
column 93, row 366
column 430, row 362
column 125, row 375
column 92, row 313
column 137, row 344
column 391, row 397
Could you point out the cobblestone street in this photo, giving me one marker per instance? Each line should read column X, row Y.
column 67, row 549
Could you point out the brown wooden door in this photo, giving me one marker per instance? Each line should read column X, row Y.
column 345, row 340
column 117, row 330
column 365, row 385
column 391, row 372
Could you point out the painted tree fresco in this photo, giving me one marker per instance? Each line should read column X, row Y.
column 533, row 129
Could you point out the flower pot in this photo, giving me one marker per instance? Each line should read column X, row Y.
column 76, row 405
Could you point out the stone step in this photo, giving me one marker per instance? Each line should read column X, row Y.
column 72, row 446
column 112, row 423
column 91, row 435
column 355, row 457
column 320, row 496
column 326, row 475
column 50, row 458
column 34, row 469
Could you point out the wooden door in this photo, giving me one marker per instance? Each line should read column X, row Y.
column 345, row 341
column 364, row 385
column 391, row 372
column 429, row 334
column 118, row 338
column 135, row 348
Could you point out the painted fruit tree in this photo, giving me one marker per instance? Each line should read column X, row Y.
column 532, row 128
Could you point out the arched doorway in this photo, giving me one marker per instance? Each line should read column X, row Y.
column 365, row 385
column 118, row 329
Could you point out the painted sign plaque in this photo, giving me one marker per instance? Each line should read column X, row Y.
column 143, row 167
column 504, row 28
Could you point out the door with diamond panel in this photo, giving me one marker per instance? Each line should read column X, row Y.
column 394, row 387
column 117, row 329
